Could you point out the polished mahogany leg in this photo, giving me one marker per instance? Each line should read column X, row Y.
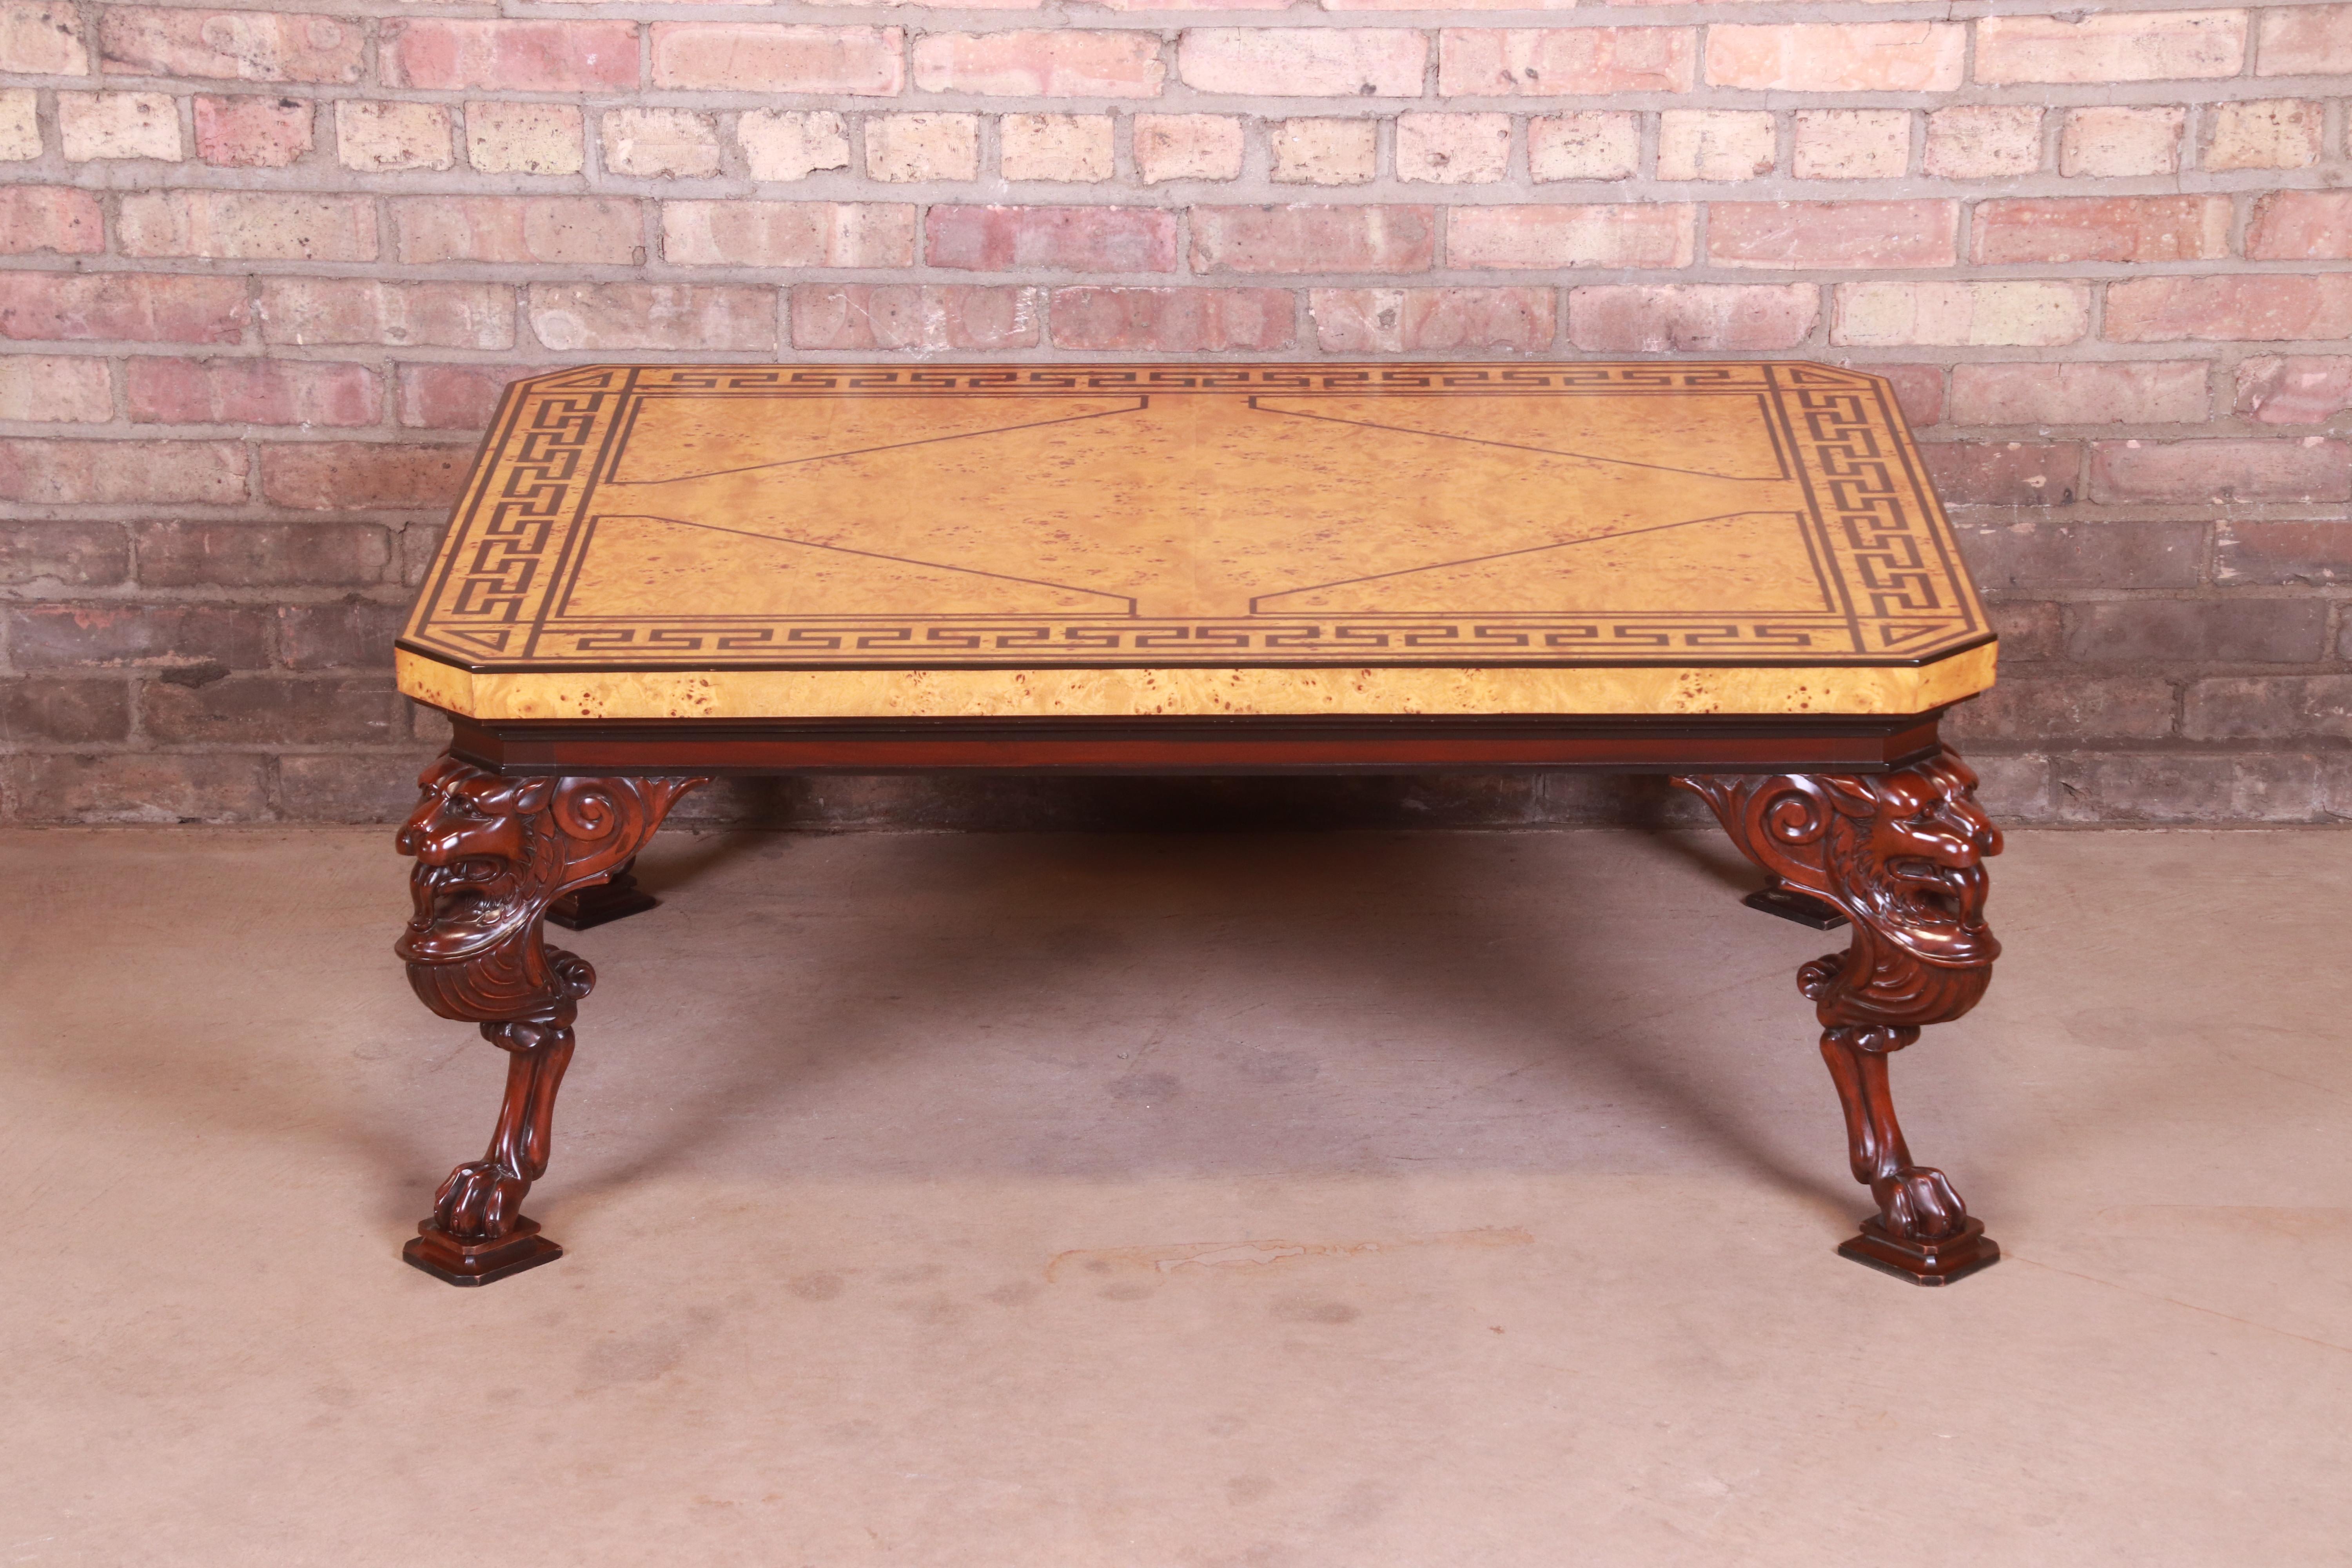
column 492, row 854
column 1902, row 856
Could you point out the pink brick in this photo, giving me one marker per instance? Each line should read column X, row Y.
column 41, row 38
column 444, row 54
column 126, row 307
column 788, row 234
column 2301, row 225
column 1059, row 64
column 248, row 226
column 2295, row 389
column 1058, row 239
column 2272, row 307
column 1838, row 56
column 253, row 132
column 2111, row 46
column 856, row 316
column 1621, row 235
column 1918, row 391
column 55, row 389
column 119, row 473
column 1172, row 321
column 1692, row 318
column 252, row 392
column 50, row 217
column 454, row 397
column 597, row 317
column 2134, row 392
column 313, row 310
column 237, row 46
column 1311, row 62
column 2304, row 41
column 1832, row 234
column 575, row 230
column 2285, row 469
column 757, row 56
column 1554, row 62
column 1432, row 321
column 2101, row 228
column 1314, row 239
column 345, row 476
column 1453, row 149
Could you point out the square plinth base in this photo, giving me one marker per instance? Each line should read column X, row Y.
column 1793, row 905
column 456, row 1262
column 1923, row 1262
column 593, row 906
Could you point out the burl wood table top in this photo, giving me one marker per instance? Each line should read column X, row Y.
column 733, row 542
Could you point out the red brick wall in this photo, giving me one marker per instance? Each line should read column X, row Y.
column 262, row 271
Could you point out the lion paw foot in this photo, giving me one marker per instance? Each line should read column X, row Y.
column 1919, row 1203
column 479, row 1202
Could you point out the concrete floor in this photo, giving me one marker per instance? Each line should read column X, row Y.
column 1367, row 1200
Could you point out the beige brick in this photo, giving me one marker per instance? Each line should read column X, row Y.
column 755, row 56
column 2111, row 46
column 524, row 138
column 1061, row 63
column 41, row 38
column 1837, row 56
column 1589, row 144
column 20, row 131
column 1714, row 144
column 569, row 316
column 2269, row 133
column 239, row 225
column 313, row 310
column 1187, row 147
column 788, row 234
column 119, row 125
column 1630, row 234
column 905, row 147
column 1453, row 149
column 1972, row 315
column 1304, row 62
column 1852, row 143
column 2112, row 142
column 793, row 143
column 232, row 45
column 661, row 143
column 379, row 136
column 55, row 389
column 1324, row 151
column 1548, row 62
column 1984, row 141
column 1074, row 147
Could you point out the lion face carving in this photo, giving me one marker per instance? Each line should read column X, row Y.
column 484, row 855
column 1911, row 855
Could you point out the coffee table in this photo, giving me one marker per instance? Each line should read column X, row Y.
column 1736, row 575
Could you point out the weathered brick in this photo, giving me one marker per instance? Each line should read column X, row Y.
column 446, row 54
column 334, row 786
column 2059, row 713
column 253, row 132
column 661, row 143
column 2141, row 786
column 1418, row 320
column 1624, row 235
column 2111, row 141
column 1589, row 144
column 119, row 635
column 2270, row 306
column 2296, row 389
column 757, row 56
column 318, row 311
column 1558, row 62
column 2035, row 553
column 1837, row 56
column 1984, row 141
column 339, row 476
column 907, row 316
column 1187, row 147
column 1691, row 318
column 1059, row 239
column 121, row 306
column 47, row 708
column 524, row 138
column 2301, row 225
column 1961, row 314
column 1852, row 143
column 50, row 218
column 908, row 148
column 2125, row 392
column 1063, row 63
column 1918, row 390
column 1293, row 239
column 261, row 555
column 454, row 396
column 2241, row 471
column 355, row 634
column 252, row 392
column 791, row 143
column 235, row 46
column 2268, row 707
column 2111, row 46
column 1302, row 62
column 41, row 38
column 60, row 473
column 159, row 788
column 1832, row 234
column 1453, row 149
column 560, row 230
column 2101, row 228
column 1072, row 147
column 2234, row 630
column 2283, row 554
column 2270, row 133
column 376, row 137
column 64, row 554
column 2030, row 632
column 788, row 234
column 1715, row 144
column 1318, row 152
column 568, row 317
column 93, row 125
column 20, row 125
column 2005, row 473
column 251, row 709
column 248, row 226
column 2304, row 41
column 1172, row 321
column 55, row 389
